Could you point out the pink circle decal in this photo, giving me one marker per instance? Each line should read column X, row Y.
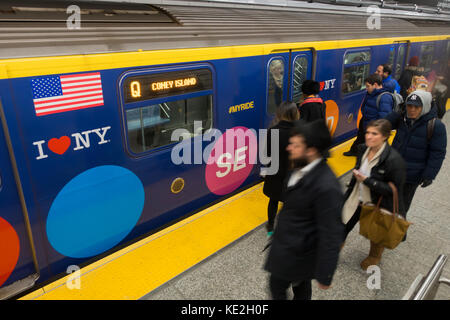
column 9, row 250
column 231, row 160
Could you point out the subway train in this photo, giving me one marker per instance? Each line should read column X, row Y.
column 105, row 125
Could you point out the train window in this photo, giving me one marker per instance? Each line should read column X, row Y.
column 275, row 87
column 426, row 57
column 355, row 57
column 400, row 62
column 300, row 74
column 356, row 69
column 151, row 126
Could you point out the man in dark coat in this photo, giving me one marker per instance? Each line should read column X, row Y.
column 312, row 107
column 371, row 110
column 423, row 152
column 307, row 238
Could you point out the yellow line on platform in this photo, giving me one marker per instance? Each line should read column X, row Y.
column 138, row 269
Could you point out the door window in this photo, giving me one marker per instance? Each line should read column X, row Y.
column 299, row 76
column 400, row 62
column 275, row 85
column 426, row 58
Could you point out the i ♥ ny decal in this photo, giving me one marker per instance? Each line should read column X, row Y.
column 81, row 140
column 60, row 145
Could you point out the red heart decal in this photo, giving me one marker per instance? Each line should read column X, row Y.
column 322, row 84
column 60, row 145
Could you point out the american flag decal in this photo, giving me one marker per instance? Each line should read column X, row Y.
column 54, row 94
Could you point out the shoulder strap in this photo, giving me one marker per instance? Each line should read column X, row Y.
column 430, row 128
column 394, row 199
column 379, row 98
column 309, row 100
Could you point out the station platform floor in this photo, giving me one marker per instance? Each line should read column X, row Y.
column 217, row 253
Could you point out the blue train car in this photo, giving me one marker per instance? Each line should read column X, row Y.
column 92, row 119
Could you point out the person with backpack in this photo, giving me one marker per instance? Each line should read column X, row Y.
column 377, row 104
column 421, row 139
column 312, row 107
column 389, row 83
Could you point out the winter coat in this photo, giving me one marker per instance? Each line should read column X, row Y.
column 273, row 184
column 390, row 168
column 312, row 109
column 423, row 158
column 371, row 111
column 391, row 84
column 309, row 232
column 405, row 80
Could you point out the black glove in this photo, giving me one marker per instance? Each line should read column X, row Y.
column 426, row 183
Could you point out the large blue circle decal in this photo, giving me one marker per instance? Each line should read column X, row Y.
column 95, row 211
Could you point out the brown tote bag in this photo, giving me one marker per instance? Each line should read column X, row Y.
column 381, row 226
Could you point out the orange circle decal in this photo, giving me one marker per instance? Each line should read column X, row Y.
column 9, row 250
column 332, row 115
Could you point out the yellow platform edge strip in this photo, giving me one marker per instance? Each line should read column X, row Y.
column 138, row 269
column 38, row 66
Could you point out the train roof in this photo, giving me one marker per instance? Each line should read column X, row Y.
column 29, row 30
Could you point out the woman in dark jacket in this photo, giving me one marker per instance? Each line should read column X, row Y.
column 285, row 116
column 312, row 107
column 377, row 165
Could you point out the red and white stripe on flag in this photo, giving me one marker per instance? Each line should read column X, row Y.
column 78, row 91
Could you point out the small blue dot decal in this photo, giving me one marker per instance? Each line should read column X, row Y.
column 95, row 211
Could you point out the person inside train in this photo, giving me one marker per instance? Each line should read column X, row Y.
column 347, row 85
column 376, row 165
column 389, row 83
column 437, row 86
column 276, row 77
column 373, row 107
column 421, row 139
column 285, row 116
column 308, row 234
column 312, row 107
column 407, row 75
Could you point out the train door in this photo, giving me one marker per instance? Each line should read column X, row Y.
column 18, row 264
column 286, row 71
column 399, row 62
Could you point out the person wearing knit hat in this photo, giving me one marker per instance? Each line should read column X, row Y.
column 414, row 61
column 405, row 80
column 312, row 106
column 421, row 139
column 306, row 240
